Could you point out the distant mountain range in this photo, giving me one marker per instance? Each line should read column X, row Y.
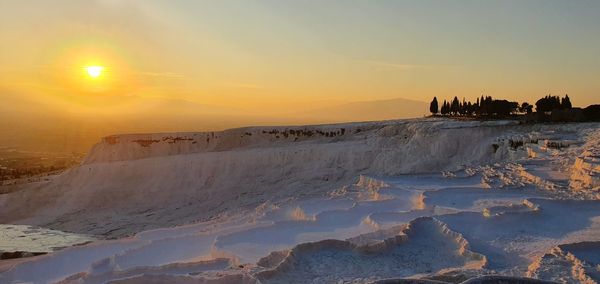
column 34, row 125
column 370, row 110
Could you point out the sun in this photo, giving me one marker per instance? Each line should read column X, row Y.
column 94, row 71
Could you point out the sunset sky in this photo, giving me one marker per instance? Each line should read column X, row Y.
column 271, row 57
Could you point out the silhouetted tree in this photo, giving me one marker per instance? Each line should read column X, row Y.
column 526, row 107
column 465, row 109
column 455, row 106
column 566, row 102
column 548, row 103
column 484, row 106
column 445, row 108
column 433, row 107
column 502, row 107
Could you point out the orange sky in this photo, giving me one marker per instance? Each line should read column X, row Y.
column 281, row 60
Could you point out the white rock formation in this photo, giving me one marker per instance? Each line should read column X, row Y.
column 490, row 197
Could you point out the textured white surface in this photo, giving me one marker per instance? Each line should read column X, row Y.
column 501, row 196
column 32, row 239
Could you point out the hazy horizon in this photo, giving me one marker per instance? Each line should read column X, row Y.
column 209, row 65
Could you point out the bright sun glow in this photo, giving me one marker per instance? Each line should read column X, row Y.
column 94, row 71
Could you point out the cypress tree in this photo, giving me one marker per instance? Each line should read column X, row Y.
column 455, row 107
column 433, row 107
column 444, row 110
column 566, row 102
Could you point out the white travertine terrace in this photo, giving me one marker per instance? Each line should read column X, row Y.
column 354, row 202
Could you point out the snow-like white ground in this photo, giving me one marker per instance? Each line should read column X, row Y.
column 40, row 240
column 349, row 202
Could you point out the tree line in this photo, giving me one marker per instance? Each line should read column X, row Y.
column 549, row 106
column 489, row 106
